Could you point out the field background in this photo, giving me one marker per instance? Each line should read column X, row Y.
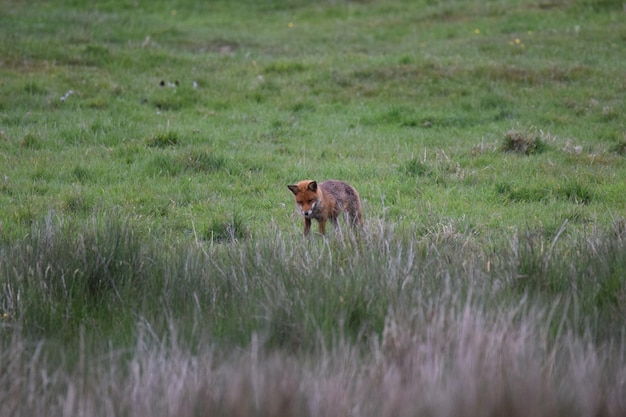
column 151, row 258
column 408, row 101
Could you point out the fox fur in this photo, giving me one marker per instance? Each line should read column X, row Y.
column 326, row 201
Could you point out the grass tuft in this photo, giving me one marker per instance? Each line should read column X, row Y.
column 525, row 143
column 231, row 230
column 205, row 162
column 195, row 161
column 619, row 148
column 31, row 141
column 76, row 203
column 415, row 167
column 163, row 139
column 575, row 192
column 80, row 174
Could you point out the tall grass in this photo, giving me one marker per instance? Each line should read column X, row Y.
column 462, row 361
column 101, row 319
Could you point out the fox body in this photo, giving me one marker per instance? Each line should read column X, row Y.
column 326, row 201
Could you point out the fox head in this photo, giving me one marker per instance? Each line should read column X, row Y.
column 306, row 196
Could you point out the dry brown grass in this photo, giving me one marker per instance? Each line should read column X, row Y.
column 446, row 358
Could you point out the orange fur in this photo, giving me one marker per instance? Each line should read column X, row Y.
column 326, row 201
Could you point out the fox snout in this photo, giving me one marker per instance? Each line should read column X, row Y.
column 308, row 213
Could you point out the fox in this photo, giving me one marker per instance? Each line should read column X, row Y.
column 326, row 201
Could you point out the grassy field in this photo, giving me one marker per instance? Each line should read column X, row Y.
column 151, row 257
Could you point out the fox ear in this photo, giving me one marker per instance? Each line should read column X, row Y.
column 312, row 186
column 293, row 188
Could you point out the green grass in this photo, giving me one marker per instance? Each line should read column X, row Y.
column 351, row 91
column 147, row 234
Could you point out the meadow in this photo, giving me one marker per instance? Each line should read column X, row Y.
column 152, row 260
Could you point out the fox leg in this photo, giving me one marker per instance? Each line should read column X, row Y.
column 322, row 226
column 335, row 222
column 358, row 219
column 355, row 219
column 307, row 226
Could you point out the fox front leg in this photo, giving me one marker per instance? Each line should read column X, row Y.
column 322, row 226
column 307, row 226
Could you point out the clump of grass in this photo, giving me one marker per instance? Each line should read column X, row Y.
column 525, row 143
column 399, row 116
column 71, row 275
column 415, row 167
column 590, row 267
column 284, row 67
column 76, row 202
column 231, row 230
column 34, row 88
column 172, row 164
column 31, row 141
column 517, row 193
column 573, row 191
column 577, row 192
column 439, row 170
column 163, row 139
column 94, row 55
column 205, row 161
column 619, row 148
column 80, row 173
column 164, row 164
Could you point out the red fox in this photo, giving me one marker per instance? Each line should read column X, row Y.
column 325, row 201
